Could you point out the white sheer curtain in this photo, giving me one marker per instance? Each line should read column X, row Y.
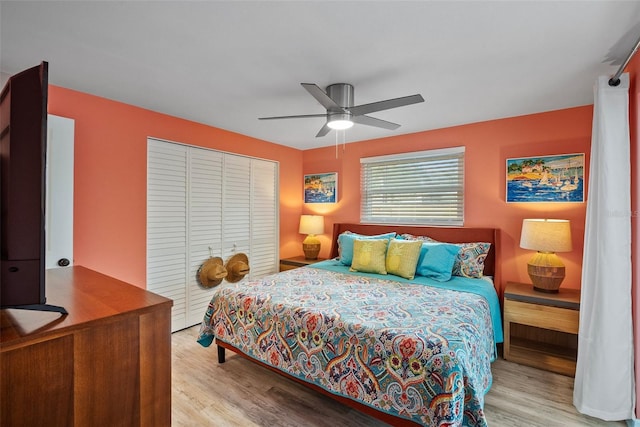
column 604, row 385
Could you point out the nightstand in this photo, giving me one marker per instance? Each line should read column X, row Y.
column 297, row 261
column 541, row 329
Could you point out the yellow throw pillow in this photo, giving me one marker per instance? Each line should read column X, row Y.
column 402, row 257
column 369, row 256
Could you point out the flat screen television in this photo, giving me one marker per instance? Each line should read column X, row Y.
column 23, row 148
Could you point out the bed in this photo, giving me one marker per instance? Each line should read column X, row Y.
column 409, row 351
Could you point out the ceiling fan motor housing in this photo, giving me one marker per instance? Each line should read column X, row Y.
column 342, row 94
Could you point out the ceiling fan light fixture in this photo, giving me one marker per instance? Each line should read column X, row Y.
column 340, row 121
column 340, row 124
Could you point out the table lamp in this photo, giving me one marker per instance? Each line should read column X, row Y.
column 311, row 225
column 547, row 236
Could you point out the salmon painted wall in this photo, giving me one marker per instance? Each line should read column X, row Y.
column 634, row 133
column 488, row 145
column 111, row 174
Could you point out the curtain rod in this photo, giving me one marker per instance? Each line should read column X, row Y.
column 615, row 80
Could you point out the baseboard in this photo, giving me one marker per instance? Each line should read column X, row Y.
column 633, row 423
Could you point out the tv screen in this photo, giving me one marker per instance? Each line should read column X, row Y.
column 23, row 140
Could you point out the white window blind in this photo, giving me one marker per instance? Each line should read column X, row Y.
column 425, row 187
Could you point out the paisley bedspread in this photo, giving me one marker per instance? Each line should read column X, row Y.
column 418, row 352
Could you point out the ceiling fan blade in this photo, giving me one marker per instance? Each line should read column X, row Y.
column 321, row 96
column 359, row 110
column 304, row 116
column 323, row 131
column 372, row 121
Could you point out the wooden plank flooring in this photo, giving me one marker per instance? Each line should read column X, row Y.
column 241, row 393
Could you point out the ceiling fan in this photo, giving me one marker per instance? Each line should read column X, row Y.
column 342, row 114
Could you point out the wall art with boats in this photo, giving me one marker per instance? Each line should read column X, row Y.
column 321, row 188
column 556, row 178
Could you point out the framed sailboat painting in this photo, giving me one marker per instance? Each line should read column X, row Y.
column 321, row 188
column 558, row 178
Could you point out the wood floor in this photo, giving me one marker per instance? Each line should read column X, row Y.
column 240, row 393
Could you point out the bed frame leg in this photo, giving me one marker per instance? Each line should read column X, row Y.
column 220, row 354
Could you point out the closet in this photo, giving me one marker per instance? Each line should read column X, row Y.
column 202, row 203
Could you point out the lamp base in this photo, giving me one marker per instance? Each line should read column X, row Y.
column 311, row 247
column 546, row 272
column 311, row 251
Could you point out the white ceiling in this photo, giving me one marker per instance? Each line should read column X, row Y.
column 226, row 63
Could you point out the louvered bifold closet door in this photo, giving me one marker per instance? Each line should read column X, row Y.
column 203, row 203
column 204, row 197
column 167, row 225
column 236, row 207
column 264, row 218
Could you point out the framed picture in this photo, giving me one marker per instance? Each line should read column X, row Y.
column 546, row 178
column 321, row 188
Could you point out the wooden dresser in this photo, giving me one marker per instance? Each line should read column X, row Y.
column 106, row 363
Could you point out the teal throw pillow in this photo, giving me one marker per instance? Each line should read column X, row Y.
column 436, row 260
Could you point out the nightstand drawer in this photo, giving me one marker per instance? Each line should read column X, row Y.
column 295, row 262
column 542, row 316
column 285, row 267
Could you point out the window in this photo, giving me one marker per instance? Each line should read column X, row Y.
column 425, row 187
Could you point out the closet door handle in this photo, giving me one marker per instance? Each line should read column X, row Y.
column 63, row 262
